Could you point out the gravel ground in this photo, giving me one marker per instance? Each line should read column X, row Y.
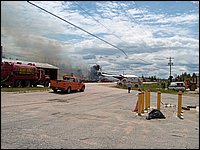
column 99, row 118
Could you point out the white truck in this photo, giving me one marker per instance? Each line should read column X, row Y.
column 177, row 86
column 135, row 81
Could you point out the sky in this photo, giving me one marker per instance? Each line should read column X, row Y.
column 130, row 37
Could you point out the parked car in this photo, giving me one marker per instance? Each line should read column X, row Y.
column 177, row 86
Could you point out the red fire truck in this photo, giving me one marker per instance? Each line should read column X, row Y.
column 22, row 75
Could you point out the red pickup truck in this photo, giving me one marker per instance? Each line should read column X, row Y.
column 68, row 84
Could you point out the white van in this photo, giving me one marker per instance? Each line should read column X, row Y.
column 177, row 86
column 135, row 81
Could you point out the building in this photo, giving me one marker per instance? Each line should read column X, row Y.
column 50, row 70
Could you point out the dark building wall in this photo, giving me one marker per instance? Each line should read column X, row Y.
column 53, row 73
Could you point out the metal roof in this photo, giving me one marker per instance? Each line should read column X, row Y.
column 129, row 76
column 37, row 64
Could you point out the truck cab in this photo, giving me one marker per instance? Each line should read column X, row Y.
column 43, row 78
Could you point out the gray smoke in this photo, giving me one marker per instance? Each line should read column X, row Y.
column 24, row 37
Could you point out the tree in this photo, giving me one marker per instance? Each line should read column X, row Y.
column 194, row 75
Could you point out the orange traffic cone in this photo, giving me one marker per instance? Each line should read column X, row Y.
column 136, row 107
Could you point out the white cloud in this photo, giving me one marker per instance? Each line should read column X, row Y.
column 142, row 34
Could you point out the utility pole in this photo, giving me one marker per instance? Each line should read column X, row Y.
column 1, row 53
column 170, row 64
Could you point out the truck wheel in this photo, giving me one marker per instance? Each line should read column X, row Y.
column 54, row 90
column 82, row 89
column 34, row 85
column 46, row 84
column 5, row 86
column 68, row 90
column 18, row 83
column 27, row 83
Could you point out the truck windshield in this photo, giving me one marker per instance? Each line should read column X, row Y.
column 69, row 79
column 180, row 84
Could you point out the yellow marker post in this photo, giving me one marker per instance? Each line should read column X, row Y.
column 158, row 100
column 139, row 103
column 179, row 104
column 142, row 102
column 146, row 101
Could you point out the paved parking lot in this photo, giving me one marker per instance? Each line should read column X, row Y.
column 100, row 118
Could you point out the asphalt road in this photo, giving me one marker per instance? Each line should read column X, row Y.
column 99, row 118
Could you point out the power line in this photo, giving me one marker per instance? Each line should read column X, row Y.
column 87, row 32
column 79, row 28
column 89, row 14
column 106, row 27
column 132, row 18
column 139, row 10
column 127, row 14
column 98, row 21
